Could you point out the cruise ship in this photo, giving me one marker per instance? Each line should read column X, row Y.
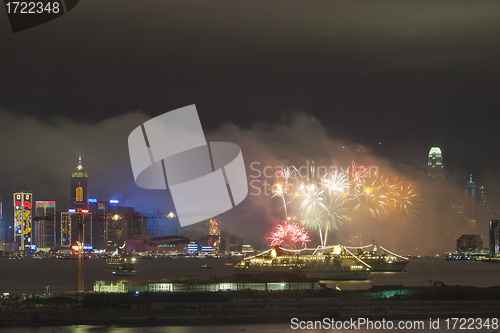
column 334, row 263
column 382, row 261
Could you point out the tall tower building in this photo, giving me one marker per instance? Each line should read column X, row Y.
column 79, row 188
column 435, row 164
column 470, row 203
column 22, row 220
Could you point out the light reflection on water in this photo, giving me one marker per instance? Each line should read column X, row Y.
column 257, row 328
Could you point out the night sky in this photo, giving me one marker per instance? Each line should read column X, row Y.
column 394, row 77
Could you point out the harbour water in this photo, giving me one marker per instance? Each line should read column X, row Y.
column 28, row 276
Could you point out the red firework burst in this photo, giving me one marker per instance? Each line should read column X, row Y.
column 292, row 233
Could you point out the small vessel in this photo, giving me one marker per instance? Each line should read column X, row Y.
column 382, row 261
column 122, row 273
column 334, row 263
column 121, row 260
column 206, row 266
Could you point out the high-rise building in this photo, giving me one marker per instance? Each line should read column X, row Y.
column 470, row 203
column 435, row 164
column 470, row 243
column 123, row 223
column 494, row 237
column 79, row 188
column 45, row 224
column 69, row 227
column 98, row 213
column 23, row 220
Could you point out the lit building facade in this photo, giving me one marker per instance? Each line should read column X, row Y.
column 79, row 188
column 494, row 238
column 435, row 164
column 23, row 220
column 69, row 227
column 44, row 224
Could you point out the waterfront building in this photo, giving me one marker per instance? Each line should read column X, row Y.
column 494, row 238
column 470, row 243
column 98, row 224
column 231, row 243
column 125, row 286
column 70, row 221
column 79, row 188
column 44, row 224
column 23, row 220
column 209, row 231
column 435, row 164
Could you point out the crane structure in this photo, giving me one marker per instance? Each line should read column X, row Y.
column 82, row 218
column 81, row 284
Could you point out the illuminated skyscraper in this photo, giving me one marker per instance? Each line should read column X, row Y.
column 69, row 227
column 22, row 220
column 435, row 164
column 45, row 224
column 79, row 190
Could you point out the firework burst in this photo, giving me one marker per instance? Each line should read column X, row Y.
column 405, row 201
column 323, row 202
column 281, row 186
column 291, row 232
column 357, row 174
column 336, row 182
column 374, row 199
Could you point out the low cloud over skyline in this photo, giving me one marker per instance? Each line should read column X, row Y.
column 42, row 158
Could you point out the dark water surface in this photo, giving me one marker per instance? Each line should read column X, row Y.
column 31, row 275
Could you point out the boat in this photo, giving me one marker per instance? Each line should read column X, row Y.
column 334, row 263
column 382, row 261
column 206, row 266
column 121, row 261
column 122, row 273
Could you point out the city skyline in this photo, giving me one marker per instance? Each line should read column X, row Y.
column 469, row 210
column 378, row 84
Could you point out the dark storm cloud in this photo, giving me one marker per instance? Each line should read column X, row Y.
column 41, row 155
